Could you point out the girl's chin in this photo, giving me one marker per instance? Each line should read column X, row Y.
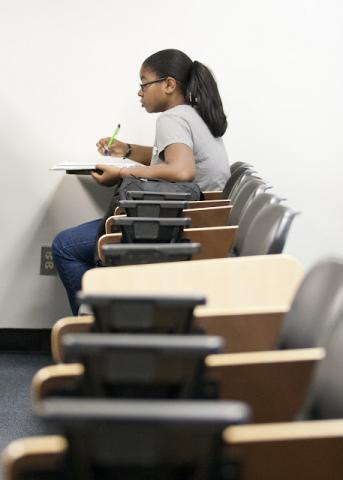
column 150, row 109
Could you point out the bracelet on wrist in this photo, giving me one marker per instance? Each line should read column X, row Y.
column 129, row 151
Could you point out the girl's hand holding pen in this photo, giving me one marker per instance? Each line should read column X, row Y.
column 117, row 149
column 108, row 176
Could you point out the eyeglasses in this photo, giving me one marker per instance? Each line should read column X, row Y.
column 142, row 85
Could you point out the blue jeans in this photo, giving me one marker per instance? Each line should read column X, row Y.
column 73, row 252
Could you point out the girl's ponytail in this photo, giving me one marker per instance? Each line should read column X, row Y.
column 202, row 93
column 196, row 82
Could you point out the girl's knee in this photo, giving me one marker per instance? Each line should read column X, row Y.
column 58, row 243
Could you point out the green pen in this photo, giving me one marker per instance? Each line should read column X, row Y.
column 115, row 133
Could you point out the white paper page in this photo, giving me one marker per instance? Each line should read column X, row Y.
column 117, row 162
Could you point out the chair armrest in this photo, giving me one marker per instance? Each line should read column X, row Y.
column 107, row 239
column 208, row 217
column 212, row 195
column 68, row 325
column 119, row 211
column 53, row 379
column 309, row 450
column 273, row 383
column 243, row 331
column 209, row 203
column 33, row 453
column 216, row 242
column 110, row 221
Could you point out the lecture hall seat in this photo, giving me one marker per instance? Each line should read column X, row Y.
column 247, row 297
column 274, row 382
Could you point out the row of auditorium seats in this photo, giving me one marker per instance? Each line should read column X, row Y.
column 221, row 368
column 246, row 224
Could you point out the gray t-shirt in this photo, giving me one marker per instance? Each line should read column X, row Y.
column 183, row 124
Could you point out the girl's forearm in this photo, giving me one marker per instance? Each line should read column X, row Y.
column 141, row 154
column 161, row 171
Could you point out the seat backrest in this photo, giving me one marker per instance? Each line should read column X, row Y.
column 135, row 439
column 268, row 231
column 235, row 175
column 249, row 213
column 151, row 229
column 245, row 196
column 325, row 395
column 141, row 366
column 243, row 178
column 142, row 313
column 141, row 253
column 236, row 165
column 314, row 308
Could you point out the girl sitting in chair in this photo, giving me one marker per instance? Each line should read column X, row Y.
column 188, row 148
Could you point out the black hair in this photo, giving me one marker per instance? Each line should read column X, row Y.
column 197, row 84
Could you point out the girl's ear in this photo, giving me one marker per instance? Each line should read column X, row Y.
column 170, row 85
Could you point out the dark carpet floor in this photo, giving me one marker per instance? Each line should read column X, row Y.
column 16, row 417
